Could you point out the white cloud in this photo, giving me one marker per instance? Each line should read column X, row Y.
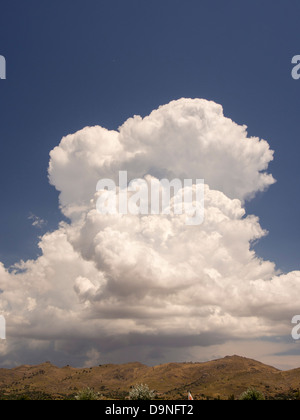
column 185, row 139
column 37, row 222
column 111, row 284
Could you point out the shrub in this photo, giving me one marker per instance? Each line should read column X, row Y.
column 252, row 395
column 87, row 395
column 141, row 392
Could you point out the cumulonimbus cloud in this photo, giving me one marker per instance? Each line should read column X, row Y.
column 149, row 278
column 184, row 139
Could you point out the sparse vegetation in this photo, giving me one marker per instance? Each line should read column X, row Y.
column 141, row 392
column 30, row 396
column 226, row 379
column 87, row 395
column 252, row 394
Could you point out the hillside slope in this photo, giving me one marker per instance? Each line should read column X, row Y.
column 221, row 378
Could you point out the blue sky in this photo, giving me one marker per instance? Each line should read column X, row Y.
column 75, row 63
column 72, row 63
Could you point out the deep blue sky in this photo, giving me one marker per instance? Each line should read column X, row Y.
column 73, row 63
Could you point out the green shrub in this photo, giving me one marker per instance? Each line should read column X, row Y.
column 87, row 395
column 252, row 395
column 141, row 392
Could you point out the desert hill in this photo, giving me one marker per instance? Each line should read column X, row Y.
column 221, row 378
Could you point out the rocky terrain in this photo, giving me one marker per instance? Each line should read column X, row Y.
column 225, row 378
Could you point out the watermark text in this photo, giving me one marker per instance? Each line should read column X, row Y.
column 296, row 329
column 2, row 67
column 2, row 328
column 150, row 196
column 296, row 69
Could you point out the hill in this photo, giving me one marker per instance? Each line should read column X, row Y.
column 221, row 378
